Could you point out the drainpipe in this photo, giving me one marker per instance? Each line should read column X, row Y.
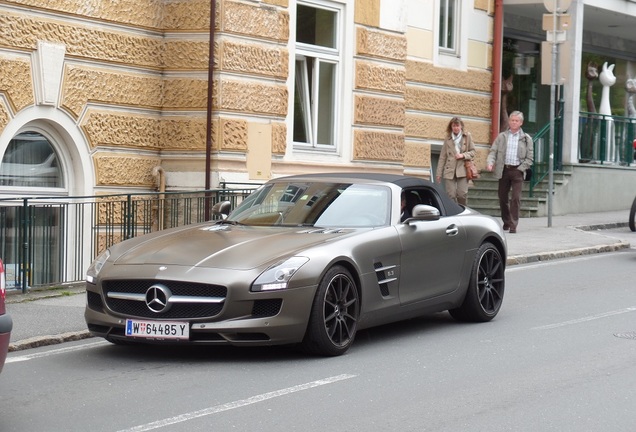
column 208, row 139
column 497, row 55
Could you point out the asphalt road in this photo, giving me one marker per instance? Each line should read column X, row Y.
column 559, row 357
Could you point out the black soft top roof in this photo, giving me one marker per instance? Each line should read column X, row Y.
column 405, row 182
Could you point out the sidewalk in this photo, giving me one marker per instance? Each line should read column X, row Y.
column 45, row 317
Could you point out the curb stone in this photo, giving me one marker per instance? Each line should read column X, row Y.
column 39, row 341
column 547, row 256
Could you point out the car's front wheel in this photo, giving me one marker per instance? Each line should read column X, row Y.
column 485, row 288
column 334, row 315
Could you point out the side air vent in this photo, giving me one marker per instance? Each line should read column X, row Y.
column 383, row 280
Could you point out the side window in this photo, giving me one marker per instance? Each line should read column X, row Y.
column 316, row 84
column 449, row 26
column 31, row 161
column 428, row 197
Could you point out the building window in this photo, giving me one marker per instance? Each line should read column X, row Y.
column 30, row 161
column 448, row 25
column 318, row 57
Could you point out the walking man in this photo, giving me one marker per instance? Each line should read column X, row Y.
column 511, row 154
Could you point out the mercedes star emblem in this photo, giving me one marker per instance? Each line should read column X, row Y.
column 158, row 298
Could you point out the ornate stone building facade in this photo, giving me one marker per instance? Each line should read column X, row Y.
column 119, row 89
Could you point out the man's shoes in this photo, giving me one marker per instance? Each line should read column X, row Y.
column 506, row 227
column 513, row 231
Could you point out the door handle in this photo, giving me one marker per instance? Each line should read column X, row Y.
column 452, row 230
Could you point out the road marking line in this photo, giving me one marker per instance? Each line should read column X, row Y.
column 54, row 352
column 236, row 404
column 585, row 319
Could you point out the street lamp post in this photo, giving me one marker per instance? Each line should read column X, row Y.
column 555, row 36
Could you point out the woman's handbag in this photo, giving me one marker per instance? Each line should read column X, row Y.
column 471, row 170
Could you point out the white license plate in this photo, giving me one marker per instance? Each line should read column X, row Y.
column 157, row 329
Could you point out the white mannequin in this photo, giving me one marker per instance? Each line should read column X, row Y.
column 607, row 79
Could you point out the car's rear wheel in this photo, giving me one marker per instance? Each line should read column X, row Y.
column 334, row 315
column 485, row 288
column 632, row 216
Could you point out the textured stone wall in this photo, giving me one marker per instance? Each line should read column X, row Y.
column 135, row 79
column 136, row 12
column 16, row 82
column 433, row 127
column 426, row 73
column 378, row 146
column 379, row 106
column 257, row 21
column 4, row 115
column 105, row 128
column 82, row 41
column 380, row 77
column 125, row 170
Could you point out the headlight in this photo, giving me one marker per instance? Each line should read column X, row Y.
column 277, row 276
column 96, row 266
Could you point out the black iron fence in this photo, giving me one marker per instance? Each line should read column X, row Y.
column 606, row 139
column 603, row 139
column 541, row 140
column 53, row 240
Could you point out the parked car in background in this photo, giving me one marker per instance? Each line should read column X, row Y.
column 309, row 260
column 6, row 324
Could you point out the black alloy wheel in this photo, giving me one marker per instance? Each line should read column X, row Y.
column 486, row 287
column 334, row 315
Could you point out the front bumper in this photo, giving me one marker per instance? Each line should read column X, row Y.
column 235, row 324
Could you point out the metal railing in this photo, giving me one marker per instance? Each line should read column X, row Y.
column 605, row 139
column 541, row 141
column 53, row 240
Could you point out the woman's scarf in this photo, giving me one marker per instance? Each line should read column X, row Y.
column 457, row 139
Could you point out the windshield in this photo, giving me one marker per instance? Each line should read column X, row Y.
column 315, row 204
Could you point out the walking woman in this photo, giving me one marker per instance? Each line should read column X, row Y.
column 458, row 147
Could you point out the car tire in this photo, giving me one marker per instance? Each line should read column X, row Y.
column 334, row 314
column 486, row 287
column 632, row 216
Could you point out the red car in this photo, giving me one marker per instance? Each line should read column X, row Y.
column 6, row 324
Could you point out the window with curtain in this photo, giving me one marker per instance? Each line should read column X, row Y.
column 30, row 161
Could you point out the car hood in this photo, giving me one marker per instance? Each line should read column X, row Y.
column 225, row 246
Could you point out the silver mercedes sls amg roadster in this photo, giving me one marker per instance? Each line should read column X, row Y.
column 306, row 260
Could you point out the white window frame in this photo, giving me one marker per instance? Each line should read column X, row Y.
column 443, row 42
column 310, row 97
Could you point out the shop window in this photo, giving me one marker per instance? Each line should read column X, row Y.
column 448, row 26
column 30, row 161
column 316, row 86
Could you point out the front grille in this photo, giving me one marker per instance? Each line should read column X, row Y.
column 133, row 308
column 139, row 286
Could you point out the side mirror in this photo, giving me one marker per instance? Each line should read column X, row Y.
column 424, row 212
column 222, row 209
